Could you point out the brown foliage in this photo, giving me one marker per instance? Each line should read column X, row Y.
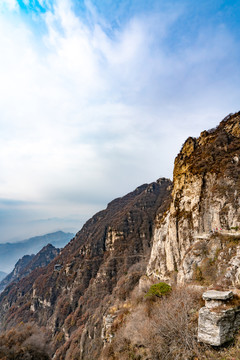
column 161, row 330
column 25, row 342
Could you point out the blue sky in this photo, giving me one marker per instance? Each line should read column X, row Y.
column 97, row 97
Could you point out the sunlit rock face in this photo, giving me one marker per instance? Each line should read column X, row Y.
column 202, row 222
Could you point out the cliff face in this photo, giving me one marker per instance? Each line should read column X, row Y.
column 199, row 233
column 103, row 263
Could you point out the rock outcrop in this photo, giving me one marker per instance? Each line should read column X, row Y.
column 219, row 319
column 200, row 229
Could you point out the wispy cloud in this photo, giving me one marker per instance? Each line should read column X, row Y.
column 9, row 4
column 91, row 104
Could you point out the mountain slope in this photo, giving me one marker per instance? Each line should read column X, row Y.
column 93, row 268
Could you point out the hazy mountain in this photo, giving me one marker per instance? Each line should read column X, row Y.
column 2, row 275
column 19, row 266
column 10, row 253
column 28, row 263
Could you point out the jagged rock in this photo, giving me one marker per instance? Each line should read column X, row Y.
column 204, row 215
column 107, row 333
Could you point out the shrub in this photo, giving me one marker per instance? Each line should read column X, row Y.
column 167, row 332
column 25, row 342
column 159, row 290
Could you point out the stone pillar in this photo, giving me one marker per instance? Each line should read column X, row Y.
column 217, row 322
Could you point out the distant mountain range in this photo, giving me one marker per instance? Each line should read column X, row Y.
column 10, row 253
column 28, row 263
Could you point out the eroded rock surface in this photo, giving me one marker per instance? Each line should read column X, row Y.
column 216, row 328
column 218, row 321
column 203, row 219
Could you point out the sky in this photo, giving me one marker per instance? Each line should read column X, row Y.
column 97, row 97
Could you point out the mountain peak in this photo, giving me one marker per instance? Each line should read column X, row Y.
column 216, row 150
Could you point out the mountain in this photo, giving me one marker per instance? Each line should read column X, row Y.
column 11, row 252
column 93, row 297
column 28, row 263
column 92, row 267
column 2, row 275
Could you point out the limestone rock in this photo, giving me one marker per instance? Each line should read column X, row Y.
column 217, row 323
column 217, row 295
column 215, row 298
column 107, row 332
column 194, row 238
column 216, row 328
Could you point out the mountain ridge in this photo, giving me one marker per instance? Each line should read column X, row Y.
column 10, row 253
column 28, row 263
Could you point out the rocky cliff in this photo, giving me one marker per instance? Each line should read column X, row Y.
column 198, row 237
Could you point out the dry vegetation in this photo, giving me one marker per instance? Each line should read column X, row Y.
column 25, row 342
column 159, row 328
column 212, row 152
column 164, row 328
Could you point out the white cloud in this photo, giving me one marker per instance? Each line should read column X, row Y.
column 9, row 4
column 84, row 113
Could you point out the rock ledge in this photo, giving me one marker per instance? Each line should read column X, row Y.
column 217, row 295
